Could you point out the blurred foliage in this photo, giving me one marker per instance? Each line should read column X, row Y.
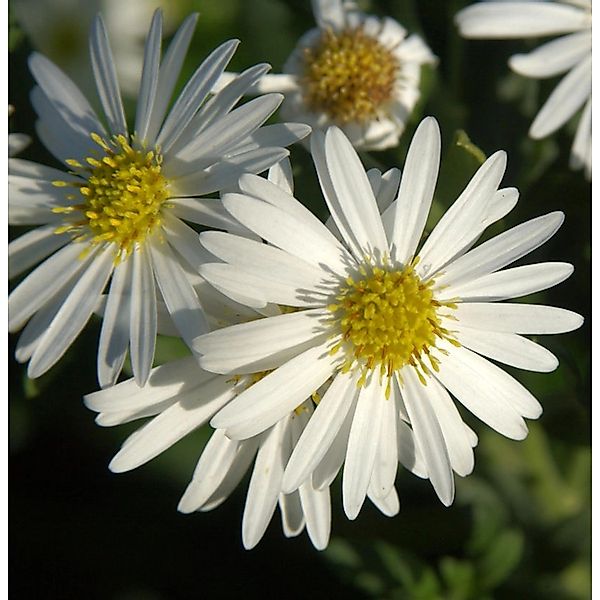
column 520, row 525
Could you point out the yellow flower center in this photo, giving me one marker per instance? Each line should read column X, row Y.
column 349, row 76
column 122, row 197
column 388, row 319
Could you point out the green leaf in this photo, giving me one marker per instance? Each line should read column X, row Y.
column 459, row 577
column 502, row 556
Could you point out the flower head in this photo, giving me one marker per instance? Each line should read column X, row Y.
column 571, row 54
column 181, row 397
column 353, row 70
column 118, row 213
column 394, row 328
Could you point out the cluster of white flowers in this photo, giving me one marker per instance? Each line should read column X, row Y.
column 315, row 347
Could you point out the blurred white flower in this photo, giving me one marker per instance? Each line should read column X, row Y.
column 58, row 29
column 395, row 331
column 570, row 54
column 354, row 70
column 119, row 211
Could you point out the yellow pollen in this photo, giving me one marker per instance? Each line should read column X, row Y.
column 349, row 76
column 387, row 319
column 121, row 200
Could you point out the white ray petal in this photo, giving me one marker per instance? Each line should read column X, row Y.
column 114, row 335
column 238, row 348
column 106, row 77
column 263, row 404
column 510, row 283
column 416, row 189
column 565, row 100
column 73, row 314
column 320, row 431
column 501, row 250
column 362, row 446
column 316, row 505
column 516, row 318
column 428, row 435
column 142, row 319
column 177, row 291
column 519, row 19
column 265, row 485
column 32, row 247
column 464, row 374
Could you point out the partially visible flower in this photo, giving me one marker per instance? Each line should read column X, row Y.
column 58, row 29
column 570, row 54
column 119, row 211
column 357, row 71
column 395, row 330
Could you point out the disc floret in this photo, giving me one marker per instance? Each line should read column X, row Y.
column 388, row 318
column 122, row 197
column 349, row 76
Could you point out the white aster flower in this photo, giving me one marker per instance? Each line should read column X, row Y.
column 119, row 212
column 396, row 330
column 357, row 71
column 571, row 54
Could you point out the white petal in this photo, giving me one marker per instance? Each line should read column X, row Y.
column 321, row 430
column 292, row 516
column 281, row 175
column 456, row 437
column 428, row 435
column 114, row 335
column 243, row 459
column 416, row 189
column 519, row 19
column 288, row 232
column 508, row 348
column 217, row 139
column 352, row 205
column 223, row 174
column 465, row 219
column 581, row 151
column 149, row 81
column 194, row 93
column 566, row 99
column 465, row 375
column 329, row 13
column 408, row 454
column 517, row 318
column 165, row 382
column 240, row 348
column 389, row 506
column 27, row 168
column 179, row 295
column 510, row 283
column 142, row 320
column 185, row 241
column 205, row 211
column 554, row 57
column 106, row 77
column 333, row 460
column 265, row 485
column 45, row 281
column 32, row 247
column 214, row 463
column 305, row 279
column 64, row 95
column 316, row 505
column 362, row 446
column 263, row 404
column 73, row 314
column 386, row 460
column 168, row 74
column 502, row 249
column 189, row 412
